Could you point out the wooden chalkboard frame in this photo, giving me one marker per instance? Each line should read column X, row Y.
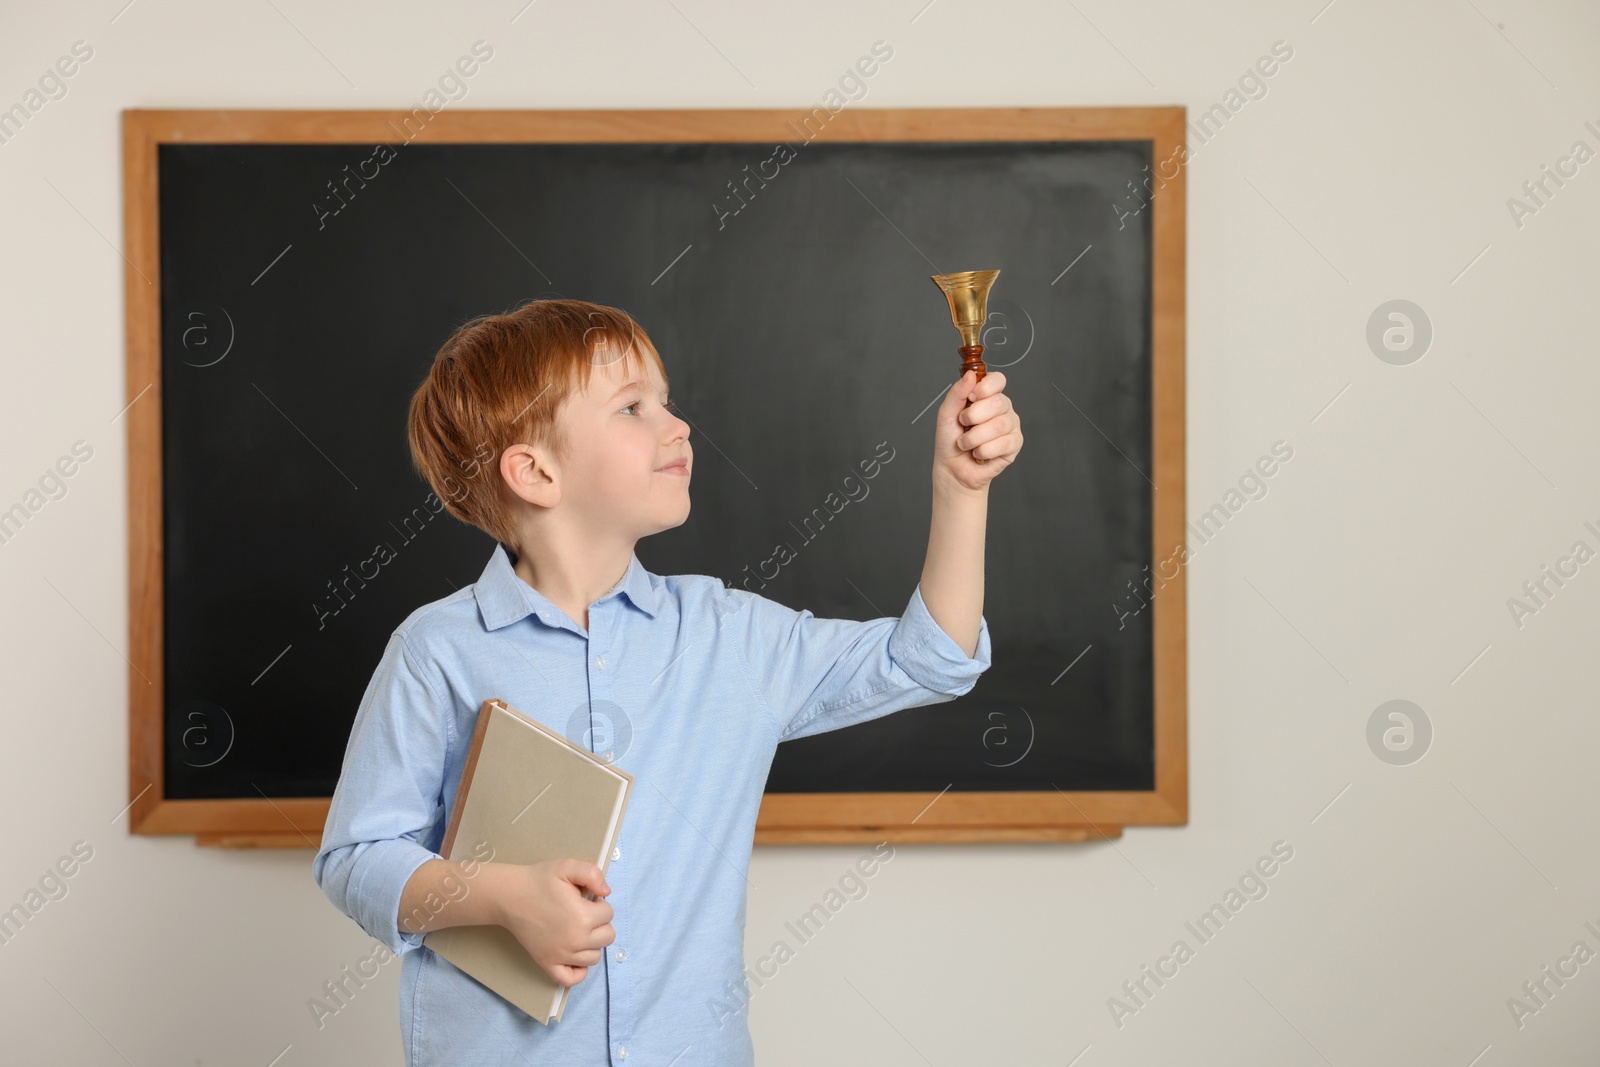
column 785, row 818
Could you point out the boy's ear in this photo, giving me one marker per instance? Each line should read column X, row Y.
column 531, row 473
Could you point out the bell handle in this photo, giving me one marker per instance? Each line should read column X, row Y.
column 972, row 359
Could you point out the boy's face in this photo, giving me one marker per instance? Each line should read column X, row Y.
column 623, row 433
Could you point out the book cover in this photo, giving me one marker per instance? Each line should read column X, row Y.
column 532, row 795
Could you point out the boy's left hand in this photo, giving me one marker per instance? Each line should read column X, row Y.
column 988, row 429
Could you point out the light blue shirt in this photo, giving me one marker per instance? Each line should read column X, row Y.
column 690, row 685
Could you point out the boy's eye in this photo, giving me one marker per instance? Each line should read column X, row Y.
column 669, row 405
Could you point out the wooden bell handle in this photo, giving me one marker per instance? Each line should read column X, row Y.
column 972, row 359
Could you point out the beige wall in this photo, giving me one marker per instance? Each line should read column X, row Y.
column 1378, row 166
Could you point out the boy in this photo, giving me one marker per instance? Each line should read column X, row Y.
column 550, row 428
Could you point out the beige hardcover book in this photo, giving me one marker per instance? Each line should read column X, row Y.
column 532, row 795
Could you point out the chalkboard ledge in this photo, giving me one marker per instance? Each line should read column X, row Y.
column 789, row 835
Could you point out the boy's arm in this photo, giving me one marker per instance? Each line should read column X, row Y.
column 443, row 893
column 989, row 430
column 388, row 797
column 816, row 675
column 952, row 573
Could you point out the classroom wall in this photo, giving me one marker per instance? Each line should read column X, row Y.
column 1384, row 159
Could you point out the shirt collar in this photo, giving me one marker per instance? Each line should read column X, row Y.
column 504, row 598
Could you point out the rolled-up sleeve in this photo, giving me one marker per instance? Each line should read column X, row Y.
column 389, row 797
column 817, row 675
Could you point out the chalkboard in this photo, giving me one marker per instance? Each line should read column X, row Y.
column 303, row 288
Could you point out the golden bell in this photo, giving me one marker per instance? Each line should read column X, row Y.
column 968, row 293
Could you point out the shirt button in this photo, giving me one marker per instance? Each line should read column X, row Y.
column 622, row 954
column 600, row 661
column 622, row 1052
column 616, row 853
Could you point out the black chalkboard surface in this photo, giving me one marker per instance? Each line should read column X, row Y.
column 801, row 334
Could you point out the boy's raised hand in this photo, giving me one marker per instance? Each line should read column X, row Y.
column 989, row 429
column 543, row 906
